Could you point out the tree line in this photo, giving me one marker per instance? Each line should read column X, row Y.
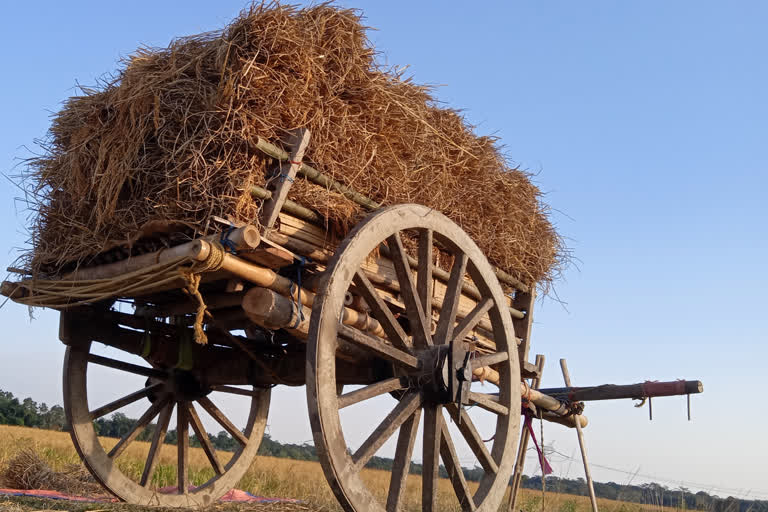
column 28, row 413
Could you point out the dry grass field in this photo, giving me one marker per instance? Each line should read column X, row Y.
column 268, row 476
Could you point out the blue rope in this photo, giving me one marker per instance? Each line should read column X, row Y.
column 299, row 308
column 228, row 244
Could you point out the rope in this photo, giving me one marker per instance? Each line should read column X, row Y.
column 226, row 242
column 69, row 293
column 299, row 308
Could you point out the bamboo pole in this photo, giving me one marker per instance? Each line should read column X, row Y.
column 317, row 177
column 560, row 411
column 321, row 179
column 271, row 310
column 275, row 311
column 613, row 391
column 246, row 237
column 289, row 206
column 582, row 446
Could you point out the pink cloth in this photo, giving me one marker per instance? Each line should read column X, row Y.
column 235, row 495
column 55, row 495
column 546, row 469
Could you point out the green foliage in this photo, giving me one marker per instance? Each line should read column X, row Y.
column 29, row 414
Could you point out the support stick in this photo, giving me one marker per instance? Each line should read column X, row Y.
column 523, row 447
column 580, row 434
column 284, row 178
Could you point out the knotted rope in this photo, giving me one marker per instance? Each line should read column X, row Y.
column 68, row 293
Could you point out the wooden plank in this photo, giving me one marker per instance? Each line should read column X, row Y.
column 284, row 179
column 382, row 313
column 420, row 328
column 378, row 347
column 433, row 417
column 454, row 470
column 222, row 420
column 488, row 402
column 182, row 447
column 408, row 405
column 371, row 391
column 205, row 441
column 524, row 302
column 402, row 463
column 158, row 438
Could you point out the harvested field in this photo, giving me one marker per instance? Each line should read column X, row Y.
column 170, row 142
column 268, row 476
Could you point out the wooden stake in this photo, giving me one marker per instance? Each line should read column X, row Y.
column 580, row 435
column 523, row 447
column 284, row 179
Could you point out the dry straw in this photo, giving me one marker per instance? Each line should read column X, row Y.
column 171, row 140
column 28, row 471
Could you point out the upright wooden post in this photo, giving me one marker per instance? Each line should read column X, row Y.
column 523, row 447
column 524, row 301
column 580, row 435
column 284, row 178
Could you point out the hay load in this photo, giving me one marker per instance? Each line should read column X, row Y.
column 171, row 141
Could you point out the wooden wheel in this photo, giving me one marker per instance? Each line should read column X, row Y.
column 161, row 392
column 426, row 372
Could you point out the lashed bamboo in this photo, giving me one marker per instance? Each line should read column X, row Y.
column 312, row 241
column 273, row 310
column 319, row 178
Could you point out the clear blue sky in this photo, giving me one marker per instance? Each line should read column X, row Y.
column 646, row 123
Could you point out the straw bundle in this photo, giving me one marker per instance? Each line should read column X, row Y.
column 169, row 142
column 28, row 471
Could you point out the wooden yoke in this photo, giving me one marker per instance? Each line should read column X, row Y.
column 283, row 179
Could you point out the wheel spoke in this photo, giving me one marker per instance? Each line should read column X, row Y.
column 431, row 458
column 381, row 312
column 420, row 324
column 205, row 441
column 378, row 346
column 122, row 402
column 488, row 402
column 424, row 271
column 182, row 444
column 445, row 325
column 489, row 359
column 453, row 467
column 139, row 427
column 371, row 391
column 402, row 463
column 472, row 319
column 404, row 409
column 158, row 437
column 126, row 367
column 473, row 438
column 222, row 420
column 237, row 391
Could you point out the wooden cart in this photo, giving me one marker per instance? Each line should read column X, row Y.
column 406, row 309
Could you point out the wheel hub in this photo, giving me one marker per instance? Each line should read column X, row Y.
column 182, row 385
column 448, row 381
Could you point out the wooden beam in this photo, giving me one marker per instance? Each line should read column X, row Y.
column 283, row 179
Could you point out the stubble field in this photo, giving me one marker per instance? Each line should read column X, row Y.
column 268, row 476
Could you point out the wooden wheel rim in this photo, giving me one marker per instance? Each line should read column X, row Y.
column 106, row 470
column 323, row 403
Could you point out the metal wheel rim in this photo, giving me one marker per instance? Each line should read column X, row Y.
column 105, row 469
column 333, row 452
